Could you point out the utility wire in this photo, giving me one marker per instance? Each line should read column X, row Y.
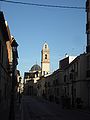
column 43, row 5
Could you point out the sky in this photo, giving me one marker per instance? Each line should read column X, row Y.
column 63, row 29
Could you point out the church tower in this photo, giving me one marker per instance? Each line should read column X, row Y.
column 45, row 59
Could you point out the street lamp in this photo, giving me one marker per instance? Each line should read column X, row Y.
column 14, row 46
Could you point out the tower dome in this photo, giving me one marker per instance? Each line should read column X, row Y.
column 35, row 67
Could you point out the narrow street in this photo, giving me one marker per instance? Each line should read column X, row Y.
column 36, row 109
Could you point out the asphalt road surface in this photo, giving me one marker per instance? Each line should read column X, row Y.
column 36, row 109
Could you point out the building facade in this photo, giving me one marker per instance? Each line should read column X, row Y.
column 50, row 87
column 6, row 64
column 76, row 82
column 5, row 78
column 34, row 73
column 30, row 79
column 68, row 85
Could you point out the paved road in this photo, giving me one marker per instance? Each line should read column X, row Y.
column 33, row 109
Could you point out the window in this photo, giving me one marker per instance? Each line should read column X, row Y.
column 71, row 76
column 45, row 56
column 43, row 72
column 37, row 74
column 88, row 73
column 64, row 78
column 45, row 46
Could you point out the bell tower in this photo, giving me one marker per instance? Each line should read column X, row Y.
column 45, row 59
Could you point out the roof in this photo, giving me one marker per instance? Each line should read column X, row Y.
column 35, row 67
